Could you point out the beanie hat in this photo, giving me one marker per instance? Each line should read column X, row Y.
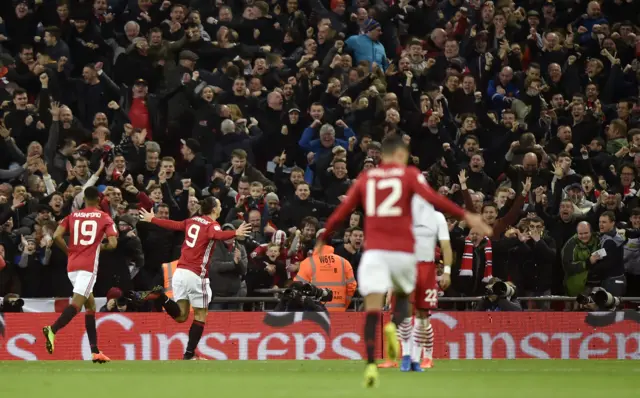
column 370, row 24
column 279, row 238
column 272, row 196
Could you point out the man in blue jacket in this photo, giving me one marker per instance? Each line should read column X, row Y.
column 327, row 139
column 367, row 47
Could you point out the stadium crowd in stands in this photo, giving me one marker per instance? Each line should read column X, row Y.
column 524, row 110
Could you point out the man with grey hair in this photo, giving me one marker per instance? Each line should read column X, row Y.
column 238, row 135
column 327, row 139
column 227, row 126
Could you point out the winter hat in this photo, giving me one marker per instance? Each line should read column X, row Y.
column 272, row 196
column 279, row 237
column 370, row 24
column 128, row 219
column 335, row 3
column 114, row 293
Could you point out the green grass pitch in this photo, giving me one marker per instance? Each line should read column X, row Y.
column 310, row 379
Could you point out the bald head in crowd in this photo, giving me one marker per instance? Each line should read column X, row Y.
column 530, row 162
column 584, row 231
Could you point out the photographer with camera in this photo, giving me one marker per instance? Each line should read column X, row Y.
column 327, row 270
column 598, row 300
column 12, row 303
column 500, row 296
column 117, row 301
column 302, row 296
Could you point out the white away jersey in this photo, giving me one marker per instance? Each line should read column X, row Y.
column 429, row 228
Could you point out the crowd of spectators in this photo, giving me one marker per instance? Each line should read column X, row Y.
column 523, row 110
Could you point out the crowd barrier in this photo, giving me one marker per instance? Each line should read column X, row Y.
column 59, row 304
column 313, row 336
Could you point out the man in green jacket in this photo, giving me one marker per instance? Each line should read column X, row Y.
column 577, row 258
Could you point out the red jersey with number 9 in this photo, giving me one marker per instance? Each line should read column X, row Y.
column 200, row 234
column 87, row 228
column 385, row 193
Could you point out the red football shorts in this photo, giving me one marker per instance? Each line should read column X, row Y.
column 425, row 295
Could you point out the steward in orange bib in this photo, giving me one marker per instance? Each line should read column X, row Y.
column 327, row 270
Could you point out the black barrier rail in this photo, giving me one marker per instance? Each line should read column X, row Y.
column 265, row 302
column 478, row 298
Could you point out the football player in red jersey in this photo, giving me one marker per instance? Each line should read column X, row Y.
column 190, row 282
column 86, row 227
column 389, row 260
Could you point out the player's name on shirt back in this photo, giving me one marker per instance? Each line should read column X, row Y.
column 93, row 214
column 201, row 220
column 383, row 173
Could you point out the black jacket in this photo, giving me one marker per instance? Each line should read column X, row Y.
column 224, row 274
column 296, row 210
column 613, row 264
column 532, row 264
column 503, row 304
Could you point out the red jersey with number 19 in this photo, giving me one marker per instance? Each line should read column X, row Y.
column 87, row 228
column 200, row 234
column 386, row 193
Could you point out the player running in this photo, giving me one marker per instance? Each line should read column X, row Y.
column 86, row 229
column 389, row 261
column 190, row 282
column 429, row 228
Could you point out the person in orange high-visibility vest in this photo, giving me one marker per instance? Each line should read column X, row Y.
column 327, row 270
column 167, row 271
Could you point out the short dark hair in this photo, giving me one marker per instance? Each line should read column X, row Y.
column 392, row 144
column 609, row 214
column 352, row 229
column 91, row 194
column 536, row 219
column 489, row 204
column 53, row 31
column 310, row 220
column 208, row 204
column 19, row 91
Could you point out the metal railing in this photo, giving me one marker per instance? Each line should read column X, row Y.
column 358, row 300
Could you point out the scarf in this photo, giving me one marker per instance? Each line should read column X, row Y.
column 466, row 269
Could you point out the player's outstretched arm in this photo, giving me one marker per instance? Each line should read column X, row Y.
column 112, row 243
column 243, row 230
column 353, row 199
column 58, row 239
column 438, row 201
column 149, row 216
column 444, row 205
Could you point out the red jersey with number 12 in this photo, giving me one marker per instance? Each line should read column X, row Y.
column 385, row 194
column 200, row 234
column 87, row 228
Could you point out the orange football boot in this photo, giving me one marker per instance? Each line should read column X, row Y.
column 426, row 363
column 100, row 358
column 388, row 364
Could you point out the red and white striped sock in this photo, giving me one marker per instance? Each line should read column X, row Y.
column 404, row 334
column 419, row 338
column 428, row 347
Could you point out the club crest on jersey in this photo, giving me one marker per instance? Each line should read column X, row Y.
column 284, row 319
